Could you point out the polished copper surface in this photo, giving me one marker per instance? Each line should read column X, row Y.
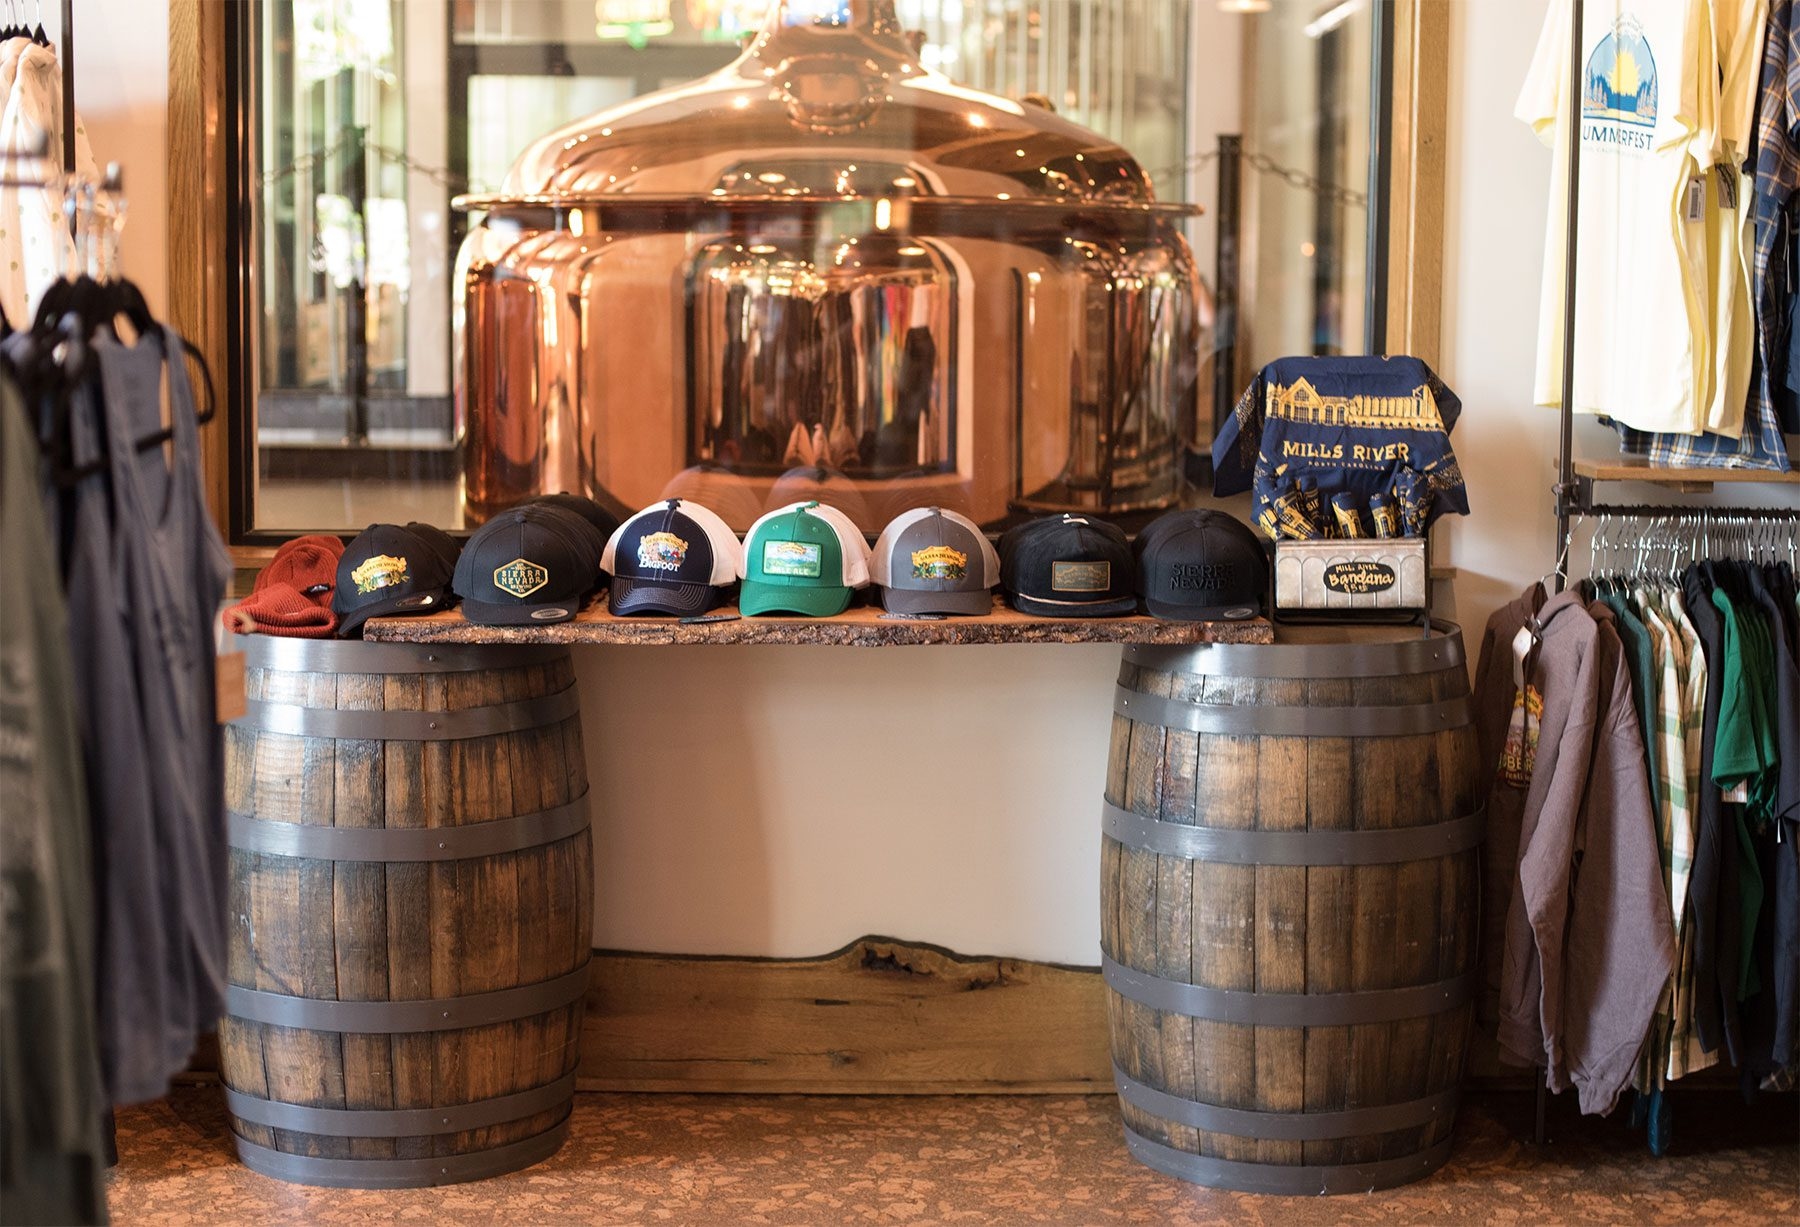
column 820, row 108
column 827, row 266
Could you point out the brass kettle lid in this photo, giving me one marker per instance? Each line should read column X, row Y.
column 828, row 103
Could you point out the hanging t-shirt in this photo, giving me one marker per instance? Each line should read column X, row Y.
column 1738, row 27
column 1641, row 322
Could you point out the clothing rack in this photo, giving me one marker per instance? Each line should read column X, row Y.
column 1573, row 492
column 112, row 183
column 1565, row 489
column 1646, row 511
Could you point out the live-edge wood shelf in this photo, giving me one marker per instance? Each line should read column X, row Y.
column 863, row 626
column 1687, row 481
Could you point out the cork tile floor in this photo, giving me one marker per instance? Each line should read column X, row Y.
column 683, row 1159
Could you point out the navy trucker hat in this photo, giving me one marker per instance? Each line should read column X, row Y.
column 674, row 557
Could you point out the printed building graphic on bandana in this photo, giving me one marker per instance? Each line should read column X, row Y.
column 1301, row 402
column 1620, row 81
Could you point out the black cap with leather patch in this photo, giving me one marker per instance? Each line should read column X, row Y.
column 1201, row 566
column 392, row 569
column 530, row 565
column 605, row 522
column 1068, row 566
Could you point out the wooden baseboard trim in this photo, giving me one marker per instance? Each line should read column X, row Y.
column 779, row 1087
column 880, row 1016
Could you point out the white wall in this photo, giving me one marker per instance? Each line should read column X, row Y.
column 782, row 801
column 121, row 95
column 1497, row 183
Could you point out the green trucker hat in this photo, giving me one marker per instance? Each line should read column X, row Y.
column 797, row 560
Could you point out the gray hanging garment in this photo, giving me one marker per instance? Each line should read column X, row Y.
column 131, row 939
column 175, row 569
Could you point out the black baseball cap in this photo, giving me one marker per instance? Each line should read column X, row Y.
column 391, row 569
column 605, row 522
column 1068, row 566
column 1201, row 566
column 673, row 557
column 442, row 543
column 528, row 565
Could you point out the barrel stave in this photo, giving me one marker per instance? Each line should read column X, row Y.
column 1174, row 935
column 1223, row 899
column 1330, row 896
column 1112, row 855
column 415, row 799
column 359, row 927
column 1283, row 769
column 1137, row 875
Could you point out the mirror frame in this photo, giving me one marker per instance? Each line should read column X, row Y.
column 205, row 171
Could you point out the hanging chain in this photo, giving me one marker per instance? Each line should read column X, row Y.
column 1349, row 198
column 307, row 163
column 437, row 174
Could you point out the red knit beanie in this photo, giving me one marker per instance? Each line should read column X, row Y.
column 292, row 594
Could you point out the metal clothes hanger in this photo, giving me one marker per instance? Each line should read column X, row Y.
column 74, row 308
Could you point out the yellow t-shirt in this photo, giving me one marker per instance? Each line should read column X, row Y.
column 1646, row 111
column 1738, row 28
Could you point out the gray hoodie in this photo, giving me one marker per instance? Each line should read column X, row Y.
column 1588, row 936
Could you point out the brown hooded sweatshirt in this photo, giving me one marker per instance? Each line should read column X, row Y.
column 1588, row 937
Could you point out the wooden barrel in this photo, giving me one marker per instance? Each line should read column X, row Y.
column 1289, row 907
column 412, row 911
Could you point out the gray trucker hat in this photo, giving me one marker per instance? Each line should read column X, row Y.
column 929, row 560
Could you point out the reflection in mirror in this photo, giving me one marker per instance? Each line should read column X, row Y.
column 1007, row 256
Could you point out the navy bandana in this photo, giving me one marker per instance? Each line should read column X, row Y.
column 1354, row 424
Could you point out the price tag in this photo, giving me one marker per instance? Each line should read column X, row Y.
column 228, row 686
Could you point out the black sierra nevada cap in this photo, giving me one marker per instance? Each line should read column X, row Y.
column 1201, row 566
column 530, row 564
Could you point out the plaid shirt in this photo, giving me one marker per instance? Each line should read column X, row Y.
column 1683, row 1047
column 1777, row 177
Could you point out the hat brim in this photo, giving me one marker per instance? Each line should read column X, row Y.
column 640, row 596
column 1169, row 611
column 1112, row 607
column 761, row 598
column 416, row 604
column 488, row 613
column 975, row 603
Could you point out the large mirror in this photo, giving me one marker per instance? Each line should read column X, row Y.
column 360, row 122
